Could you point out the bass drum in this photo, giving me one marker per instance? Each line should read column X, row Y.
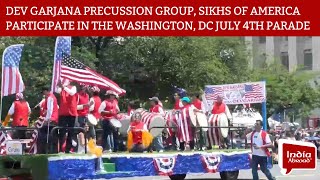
column 115, row 123
column 125, row 123
column 202, row 120
column 223, row 122
column 171, row 119
column 157, row 121
column 92, row 120
column 193, row 116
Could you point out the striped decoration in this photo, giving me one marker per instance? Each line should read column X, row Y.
column 3, row 138
column 33, row 144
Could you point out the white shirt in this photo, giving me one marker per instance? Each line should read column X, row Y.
column 257, row 139
column 11, row 110
column 49, row 108
column 71, row 91
column 103, row 107
column 91, row 101
column 81, row 148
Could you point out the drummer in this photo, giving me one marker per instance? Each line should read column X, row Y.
column 137, row 127
column 83, row 105
column 185, row 133
column 131, row 108
column 95, row 103
column 199, row 107
column 172, row 139
column 20, row 111
column 198, row 104
column 178, row 104
column 156, row 108
column 218, row 108
column 109, row 109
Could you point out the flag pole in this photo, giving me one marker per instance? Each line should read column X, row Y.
column 1, row 102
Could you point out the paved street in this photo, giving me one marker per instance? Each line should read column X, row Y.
column 246, row 174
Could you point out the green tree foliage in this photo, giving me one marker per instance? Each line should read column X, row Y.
column 288, row 90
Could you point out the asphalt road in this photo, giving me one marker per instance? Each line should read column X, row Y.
column 246, row 174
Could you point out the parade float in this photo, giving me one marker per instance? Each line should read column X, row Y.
column 175, row 164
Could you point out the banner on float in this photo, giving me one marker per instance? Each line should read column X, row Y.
column 243, row 93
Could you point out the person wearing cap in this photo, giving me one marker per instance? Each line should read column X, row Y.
column 108, row 110
column 159, row 102
column 82, row 105
column 20, row 111
column 51, row 115
column 137, row 130
column 185, row 133
column 67, row 113
column 155, row 108
column 95, row 102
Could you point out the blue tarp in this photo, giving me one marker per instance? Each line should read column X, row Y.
column 150, row 166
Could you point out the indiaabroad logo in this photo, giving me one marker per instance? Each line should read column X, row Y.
column 296, row 155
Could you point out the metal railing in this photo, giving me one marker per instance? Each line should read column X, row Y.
column 68, row 128
column 50, row 135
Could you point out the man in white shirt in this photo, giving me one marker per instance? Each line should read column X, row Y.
column 20, row 111
column 260, row 142
column 67, row 112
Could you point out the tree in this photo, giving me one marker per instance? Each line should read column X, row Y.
column 187, row 62
column 288, row 90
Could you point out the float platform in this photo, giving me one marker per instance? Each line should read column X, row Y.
column 76, row 166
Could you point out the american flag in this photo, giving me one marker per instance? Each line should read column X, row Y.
column 12, row 82
column 74, row 70
column 211, row 93
column 253, row 91
column 63, row 46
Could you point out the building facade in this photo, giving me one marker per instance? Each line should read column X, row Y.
column 292, row 52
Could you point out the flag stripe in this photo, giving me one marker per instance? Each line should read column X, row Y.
column 12, row 82
column 88, row 76
column 72, row 69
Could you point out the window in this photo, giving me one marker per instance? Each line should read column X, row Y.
column 262, row 39
column 307, row 57
column 285, row 60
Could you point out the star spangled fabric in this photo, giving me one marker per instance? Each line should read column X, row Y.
column 211, row 93
column 253, row 91
column 74, row 70
column 63, row 46
column 12, row 82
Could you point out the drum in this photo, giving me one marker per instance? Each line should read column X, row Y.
column 92, row 120
column 223, row 122
column 171, row 119
column 156, row 121
column 125, row 123
column 193, row 116
column 202, row 120
column 115, row 123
